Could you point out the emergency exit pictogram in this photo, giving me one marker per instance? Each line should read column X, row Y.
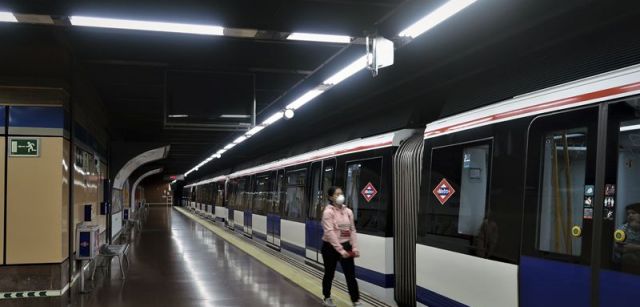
column 443, row 191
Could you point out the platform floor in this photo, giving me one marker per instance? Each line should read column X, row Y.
column 178, row 262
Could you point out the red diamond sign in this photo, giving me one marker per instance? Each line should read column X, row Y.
column 443, row 191
column 369, row 192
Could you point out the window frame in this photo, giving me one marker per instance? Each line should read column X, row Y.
column 457, row 243
column 381, row 188
column 303, row 213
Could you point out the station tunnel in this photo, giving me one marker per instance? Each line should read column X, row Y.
column 320, row 153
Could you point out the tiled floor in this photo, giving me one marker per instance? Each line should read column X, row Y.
column 177, row 262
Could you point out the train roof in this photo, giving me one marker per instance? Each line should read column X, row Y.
column 606, row 86
column 358, row 145
column 210, row 180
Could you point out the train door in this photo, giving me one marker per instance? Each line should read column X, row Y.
column 555, row 264
column 247, row 201
column 619, row 274
column 322, row 176
column 275, row 210
column 232, row 202
column 581, row 235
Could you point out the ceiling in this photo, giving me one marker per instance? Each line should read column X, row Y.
column 493, row 50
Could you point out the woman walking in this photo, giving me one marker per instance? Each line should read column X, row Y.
column 339, row 243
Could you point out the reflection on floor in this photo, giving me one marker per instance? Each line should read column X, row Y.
column 177, row 262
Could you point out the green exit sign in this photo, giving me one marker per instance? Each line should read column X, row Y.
column 24, row 147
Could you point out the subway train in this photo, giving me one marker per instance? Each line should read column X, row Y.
column 532, row 201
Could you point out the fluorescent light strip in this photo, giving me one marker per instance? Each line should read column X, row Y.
column 235, row 116
column 274, row 118
column 347, row 72
column 629, row 128
column 239, row 139
column 436, row 17
column 146, row 25
column 343, row 74
column 254, row 130
column 7, row 17
column 178, row 115
column 317, row 37
column 304, row 99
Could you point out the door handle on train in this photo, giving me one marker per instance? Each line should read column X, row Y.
column 619, row 236
column 576, row 231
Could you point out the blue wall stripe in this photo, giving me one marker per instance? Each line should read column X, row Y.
column 432, row 299
column 36, row 117
column 3, row 111
column 82, row 135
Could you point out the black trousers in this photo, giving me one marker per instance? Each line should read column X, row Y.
column 330, row 258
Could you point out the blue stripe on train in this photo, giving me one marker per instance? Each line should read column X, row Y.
column 259, row 235
column 36, row 117
column 432, row 299
column 292, row 248
column 618, row 289
column 546, row 283
column 373, row 277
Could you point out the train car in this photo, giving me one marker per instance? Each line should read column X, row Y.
column 209, row 197
column 281, row 203
column 533, row 201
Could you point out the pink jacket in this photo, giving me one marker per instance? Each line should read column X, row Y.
column 339, row 227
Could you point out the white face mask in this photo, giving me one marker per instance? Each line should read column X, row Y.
column 340, row 200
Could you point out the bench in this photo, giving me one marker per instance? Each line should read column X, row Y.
column 108, row 252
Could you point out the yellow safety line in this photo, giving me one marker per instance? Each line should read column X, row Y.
column 305, row 280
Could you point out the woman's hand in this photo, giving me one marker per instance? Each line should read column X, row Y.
column 356, row 253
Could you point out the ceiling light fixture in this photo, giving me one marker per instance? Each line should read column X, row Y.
column 273, row 118
column 239, row 139
column 235, row 116
column 347, row 72
column 254, row 130
column 436, row 17
column 128, row 24
column 229, row 146
column 289, row 114
column 308, row 96
column 317, row 37
column 7, row 17
column 629, row 128
column 178, row 115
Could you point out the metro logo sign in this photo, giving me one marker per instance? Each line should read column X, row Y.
column 443, row 191
column 369, row 192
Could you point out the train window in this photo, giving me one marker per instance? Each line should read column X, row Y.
column 262, row 197
column 363, row 192
column 328, row 173
column 281, row 195
column 459, row 183
column 564, row 162
column 296, row 198
column 233, row 194
column 243, row 194
column 316, row 191
column 219, row 194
